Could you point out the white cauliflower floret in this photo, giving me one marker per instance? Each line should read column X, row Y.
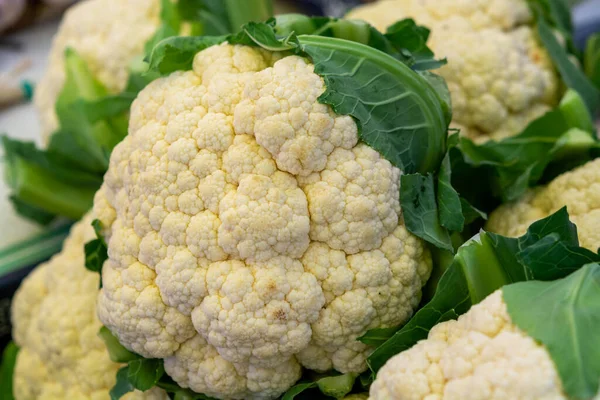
column 264, row 217
column 55, row 324
column 578, row 190
column 282, row 112
column 373, row 286
column 199, row 366
column 226, row 254
column 108, row 35
column 480, row 356
column 354, row 201
column 259, row 311
column 499, row 75
column 480, row 14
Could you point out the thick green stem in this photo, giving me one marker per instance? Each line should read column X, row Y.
column 36, row 187
column 481, row 281
column 33, row 250
column 337, row 386
column 575, row 111
column 243, row 11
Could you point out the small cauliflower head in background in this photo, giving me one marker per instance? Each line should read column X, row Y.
column 108, row 35
column 480, row 356
column 499, row 75
column 55, row 325
column 578, row 189
column 249, row 232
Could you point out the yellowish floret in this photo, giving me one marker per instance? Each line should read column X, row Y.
column 249, row 233
column 578, row 189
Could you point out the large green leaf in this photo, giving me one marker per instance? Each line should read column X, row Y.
column 398, row 112
column 420, row 210
column 548, row 251
column 564, row 316
column 432, row 208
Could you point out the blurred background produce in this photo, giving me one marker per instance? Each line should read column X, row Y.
column 27, row 28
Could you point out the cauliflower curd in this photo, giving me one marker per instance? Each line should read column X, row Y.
column 108, row 35
column 499, row 75
column 249, row 232
column 55, row 324
column 480, row 356
column 578, row 189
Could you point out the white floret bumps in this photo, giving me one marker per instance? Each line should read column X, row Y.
column 248, row 230
column 480, row 356
column 108, row 35
column 499, row 75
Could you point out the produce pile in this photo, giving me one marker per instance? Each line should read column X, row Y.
column 401, row 204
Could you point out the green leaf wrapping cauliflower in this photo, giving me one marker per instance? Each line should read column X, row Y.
column 108, row 35
column 499, row 75
column 55, row 324
column 482, row 355
column 578, row 189
column 249, row 232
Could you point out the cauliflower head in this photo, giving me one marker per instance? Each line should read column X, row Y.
column 480, row 356
column 578, row 189
column 500, row 77
column 55, row 324
column 249, row 232
column 108, row 35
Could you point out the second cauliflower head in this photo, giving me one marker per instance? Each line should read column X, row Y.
column 55, row 325
column 249, row 232
column 482, row 355
column 499, row 74
column 108, row 35
column 578, row 190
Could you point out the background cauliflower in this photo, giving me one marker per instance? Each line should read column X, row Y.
column 482, row 355
column 108, row 35
column 578, row 189
column 499, row 75
column 249, row 232
column 55, row 324
column 528, row 323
